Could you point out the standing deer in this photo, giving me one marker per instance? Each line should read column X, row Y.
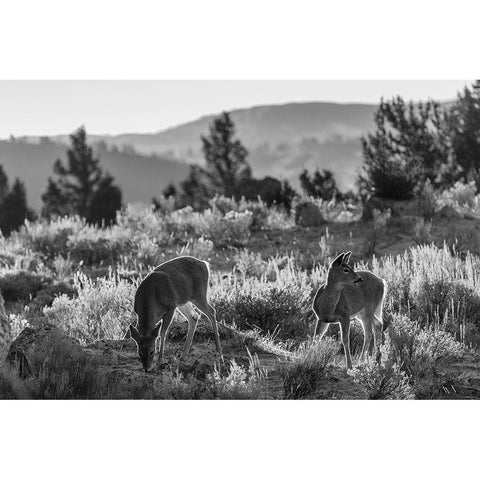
column 172, row 285
column 347, row 295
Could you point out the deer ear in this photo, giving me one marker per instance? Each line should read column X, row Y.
column 338, row 260
column 346, row 257
column 134, row 333
column 155, row 331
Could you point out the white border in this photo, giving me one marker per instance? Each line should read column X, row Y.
column 239, row 40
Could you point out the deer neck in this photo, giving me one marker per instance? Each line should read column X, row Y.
column 330, row 297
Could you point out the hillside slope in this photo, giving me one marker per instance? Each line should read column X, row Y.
column 140, row 177
column 281, row 139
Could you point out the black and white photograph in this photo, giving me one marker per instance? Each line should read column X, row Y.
column 289, row 250
column 239, row 240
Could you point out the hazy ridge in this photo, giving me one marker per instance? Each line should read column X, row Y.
column 281, row 139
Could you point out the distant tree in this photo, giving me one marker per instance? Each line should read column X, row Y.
column 13, row 205
column 104, row 202
column 287, row 195
column 225, row 169
column 3, row 184
column 463, row 129
column 407, row 148
column 225, row 157
column 320, row 184
column 81, row 185
column 193, row 190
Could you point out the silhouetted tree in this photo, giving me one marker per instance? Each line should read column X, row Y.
column 81, row 185
column 225, row 167
column 407, row 148
column 13, row 204
column 104, row 202
column 463, row 129
column 3, row 183
column 320, row 184
column 225, row 157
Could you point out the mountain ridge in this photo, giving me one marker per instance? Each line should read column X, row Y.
column 282, row 139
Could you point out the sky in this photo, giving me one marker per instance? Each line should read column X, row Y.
column 50, row 107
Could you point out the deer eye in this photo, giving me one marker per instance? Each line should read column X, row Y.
column 346, row 270
column 151, row 353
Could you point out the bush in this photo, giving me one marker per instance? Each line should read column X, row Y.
column 422, row 232
column 22, row 286
column 382, row 381
column 46, row 296
column 237, row 383
column 306, row 369
column 422, row 353
column 102, row 309
column 278, row 306
column 59, row 376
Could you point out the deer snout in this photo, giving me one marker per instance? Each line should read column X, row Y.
column 359, row 280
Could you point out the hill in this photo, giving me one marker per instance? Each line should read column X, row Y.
column 140, row 176
column 281, row 139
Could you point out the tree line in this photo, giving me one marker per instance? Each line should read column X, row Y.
column 411, row 143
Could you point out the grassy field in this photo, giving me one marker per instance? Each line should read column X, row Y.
column 265, row 272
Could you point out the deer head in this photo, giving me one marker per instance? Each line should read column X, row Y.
column 341, row 273
column 146, row 346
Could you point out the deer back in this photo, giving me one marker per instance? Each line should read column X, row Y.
column 365, row 295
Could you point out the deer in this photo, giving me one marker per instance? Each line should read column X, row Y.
column 348, row 295
column 176, row 284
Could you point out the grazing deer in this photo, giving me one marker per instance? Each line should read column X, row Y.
column 347, row 295
column 172, row 285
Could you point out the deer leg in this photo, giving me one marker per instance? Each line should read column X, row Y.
column 166, row 322
column 345, row 335
column 186, row 311
column 209, row 311
column 320, row 329
column 367, row 336
column 378, row 337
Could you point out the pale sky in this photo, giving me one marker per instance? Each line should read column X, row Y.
column 34, row 107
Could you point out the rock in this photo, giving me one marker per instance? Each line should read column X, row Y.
column 398, row 208
column 33, row 346
column 448, row 212
column 307, row 214
column 4, row 326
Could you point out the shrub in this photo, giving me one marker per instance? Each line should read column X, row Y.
column 278, row 306
column 94, row 246
column 306, row 369
column 59, row 376
column 422, row 354
column 429, row 200
column 422, row 232
column 102, row 309
column 238, row 383
column 46, row 296
column 22, row 285
column 459, row 195
column 17, row 325
column 384, row 380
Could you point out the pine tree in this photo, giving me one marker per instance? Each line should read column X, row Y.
column 13, row 204
column 226, row 165
column 3, row 184
column 407, row 148
column 463, row 128
column 81, row 186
